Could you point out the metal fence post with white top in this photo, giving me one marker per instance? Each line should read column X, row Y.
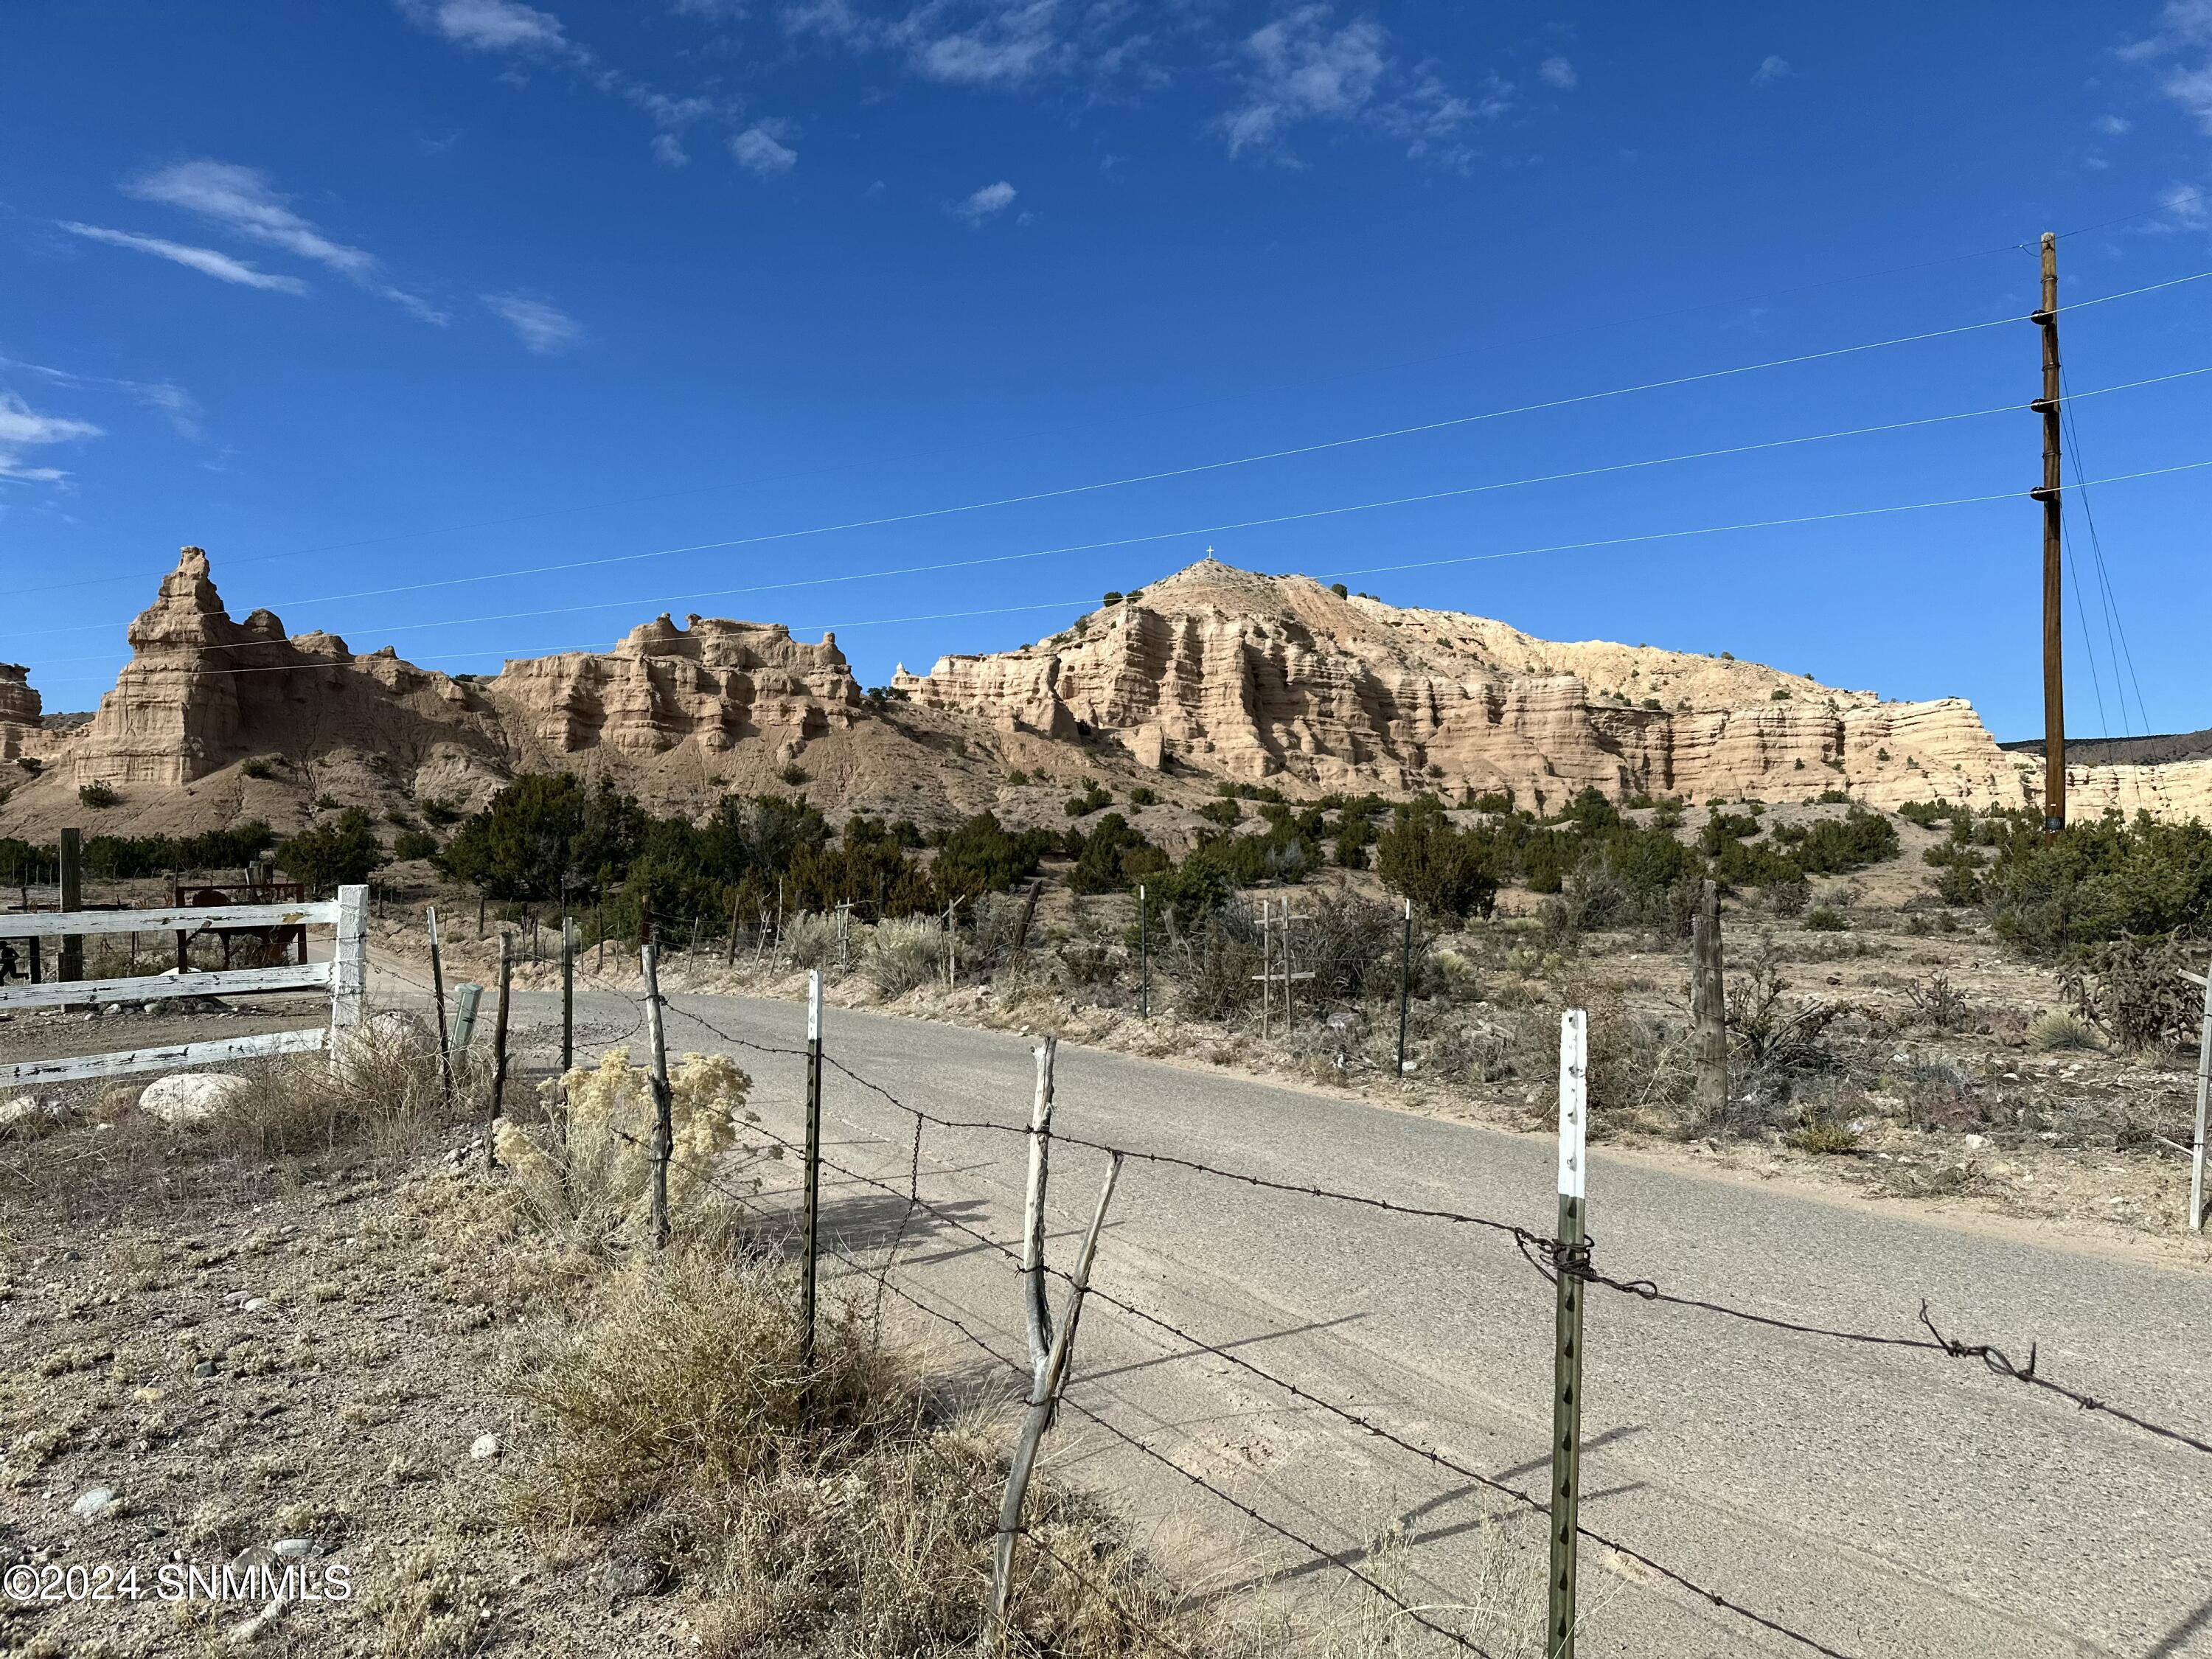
column 810, row 1246
column 2204, row 1096
column 1567, row 1359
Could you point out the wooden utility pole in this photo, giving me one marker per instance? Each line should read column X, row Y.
column 2054, row 663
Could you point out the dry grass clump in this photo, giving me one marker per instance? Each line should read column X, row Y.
column 904, row 952
column 425, row 1604
column 587, row 1171
column 2061, row 1028
column 830, row 1513
column 810, row 940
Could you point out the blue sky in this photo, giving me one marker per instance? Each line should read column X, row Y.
column 379, row 296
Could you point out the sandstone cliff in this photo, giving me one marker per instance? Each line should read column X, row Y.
column 1279, row 678
column 1212, row 673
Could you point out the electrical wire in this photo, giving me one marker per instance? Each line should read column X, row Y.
column 385, row 629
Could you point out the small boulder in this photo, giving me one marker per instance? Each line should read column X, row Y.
column 191, row 1100
column 95, row 1502
column 484, row 1447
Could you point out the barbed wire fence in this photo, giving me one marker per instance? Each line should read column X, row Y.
column 1550, row 1256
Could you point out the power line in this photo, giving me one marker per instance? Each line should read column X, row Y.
column 1288, row 452
column 2113, row 620
column 1568, row 476
column 1471, row 558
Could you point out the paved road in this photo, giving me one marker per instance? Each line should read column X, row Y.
column 1885, row 1502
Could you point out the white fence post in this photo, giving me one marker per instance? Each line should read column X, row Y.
column 2204, row 1094
column 350, row 961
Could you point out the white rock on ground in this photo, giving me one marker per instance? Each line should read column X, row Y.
column 93, row 1502
column 485, row 1446
column 190, row 1100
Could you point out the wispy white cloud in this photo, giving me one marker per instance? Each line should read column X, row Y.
column 985, row 203
column 760, row 150
column 542, row 327
column 205, row 260
column 513, row 29
column 489, row 25
column 2113, row 126
column 172, row 401
column 241, row 201
column 1559, row 72
column 987, row 43
column 1303, row 67
column 1771, row 70
column 2185, row 206
column 23, row 428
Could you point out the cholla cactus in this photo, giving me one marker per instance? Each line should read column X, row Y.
column 591, row 1168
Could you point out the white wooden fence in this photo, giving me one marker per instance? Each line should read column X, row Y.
column 345, row 975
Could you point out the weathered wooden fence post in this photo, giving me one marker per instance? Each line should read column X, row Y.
column 349, row 964
column 499, row 1048
column 438, row 997
column 730, row 953
column 810, row 1243
column 1036, row 1306
column 1708, row 1006
column 664, row 1125
column 1044, row 1392
column 1567, row 1354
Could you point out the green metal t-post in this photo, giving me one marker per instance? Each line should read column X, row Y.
column 1404, row 984
column 1567, row 1359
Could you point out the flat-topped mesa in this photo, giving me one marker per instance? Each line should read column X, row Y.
column 713, row 681
column 22, row 711
column 1258, row 676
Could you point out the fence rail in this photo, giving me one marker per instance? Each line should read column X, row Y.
column 346, row 976
column 171, row 919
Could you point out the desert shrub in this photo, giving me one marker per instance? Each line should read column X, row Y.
column 792, row 775
column 261, row 768
column 1834, row 846
column 1223, row 812
column 587, row 1173
column 1825, row 1132
column 2060, row 1028
column 125, row 857
column 1090, row 800
column 1940, row 1005
column 2098, row 881
column 343, row 853
column 2132, row 991
column 1775, row 1040
column 1450, row 872
column 543, row 832
column 1827, row 919
column 904, row 952
column 1112, row 856
column 1216, row 963
column 1788, row 895
column 1143, row 795
column 984, row 853
column 810, row 938
column 98, row 796
column 414, row 844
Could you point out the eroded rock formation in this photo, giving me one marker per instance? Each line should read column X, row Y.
column 1264, row 677
column 714, row 683
column 21, row 712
